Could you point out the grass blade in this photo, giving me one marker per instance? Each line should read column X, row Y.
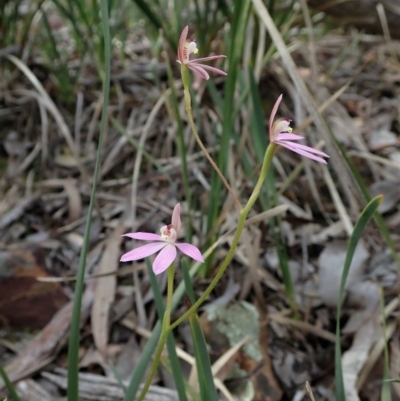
column 203, row 364
column 359, row 228
column 157, row 22
column 9, row 385
column 208, row 392
column 144, row 360
column 73, row 345
column 377, row 216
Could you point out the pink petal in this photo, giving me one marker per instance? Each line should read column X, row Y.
column 164, row 259
column 176, row 218
column 144, row 236
column 272, row 116
column 305, row 148
column 143, row 251
column 181, row 43
column 289, row 137
column 201, row 59
column 208, row 67
column 201, row 72
column 307, row 153
column 191, row 251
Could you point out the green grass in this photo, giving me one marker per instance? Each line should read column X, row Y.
column 74, row 337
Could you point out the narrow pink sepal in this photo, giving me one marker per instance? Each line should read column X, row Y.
column 208, row 67
column 303, row 152
column 289, row 137
column 164, row 259
column 200, row 71
column 181, row 43
column 144, row 236
column 191, row 251
column 303, row 147
column 143, row 251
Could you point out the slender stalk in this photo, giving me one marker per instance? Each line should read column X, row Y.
column 170, row 291
column 185, row 177
column 242, row 219
column 181, row 151
column 188, row 103
column 164, row 333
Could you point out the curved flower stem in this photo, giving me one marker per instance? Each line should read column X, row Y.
column 188, row 104
column 163, row 336
column 242, row 219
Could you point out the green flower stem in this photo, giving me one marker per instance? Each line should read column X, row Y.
column 170, row 291
column 164, row 333
column 242, row 219
column 188, row 103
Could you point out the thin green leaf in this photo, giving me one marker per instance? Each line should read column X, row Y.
column 157, row 22
column 188, row 281
column 208, row 392
column 377, row 216
column 358, row 230
column 144, row 360
column 73, row 345
column 9, row 385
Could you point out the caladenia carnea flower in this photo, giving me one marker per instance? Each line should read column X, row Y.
column 186, row 48
column 165, row 243
column 280, row 133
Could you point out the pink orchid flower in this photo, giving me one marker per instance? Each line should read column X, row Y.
column 166, row 243
column 280, row 133
column 186, row 48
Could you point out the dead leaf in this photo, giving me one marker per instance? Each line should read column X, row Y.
column 354, row 359
column 29, row 390
column 98, row 387
column 19, row 288
column 105, row 288
column 382, row 138
column 390, row 191
column 43, row 348
column 18, row 209
column 331, row 261
column 364, row 297
column 74, row 200
column 226, row 326
column 395, row 363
